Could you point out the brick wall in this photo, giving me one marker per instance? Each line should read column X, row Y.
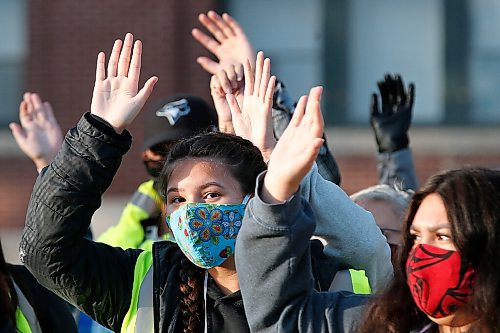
column 65, row 37
column 359, row 171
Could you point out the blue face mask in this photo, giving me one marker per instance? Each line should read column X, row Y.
column 206, row 233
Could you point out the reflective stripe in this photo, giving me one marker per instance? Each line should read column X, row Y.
column 145, row 202
column 138, row 303
column 351, row 280
column 360, row 284
column 26, row 321
column 145, row 316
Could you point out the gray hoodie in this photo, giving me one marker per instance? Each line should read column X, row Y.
column 273, row 259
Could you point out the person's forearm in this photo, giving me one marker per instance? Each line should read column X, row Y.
column 397, row 168
column 274, row 269
column 64, row 198
column 348, row 232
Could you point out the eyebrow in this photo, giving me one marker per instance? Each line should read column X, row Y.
column 202, row 187
column 434, row 228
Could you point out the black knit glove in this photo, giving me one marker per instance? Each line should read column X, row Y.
column 391, row 123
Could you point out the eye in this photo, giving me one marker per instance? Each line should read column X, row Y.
column 176, row 200
column 414, row 237
column 211, row 195
column 444, row 237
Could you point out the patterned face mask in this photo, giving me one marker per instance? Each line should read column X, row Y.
column 206, row 233
column 439, row 281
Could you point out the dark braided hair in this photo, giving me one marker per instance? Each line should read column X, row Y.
column 244, row 161
column 191, row 304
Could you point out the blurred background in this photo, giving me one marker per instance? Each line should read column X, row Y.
column 448, row 48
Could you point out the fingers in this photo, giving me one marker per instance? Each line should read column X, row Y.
column 259, row 64
column 400, row 90
column 239, row 72
column 100, row 73
column 374, row 108
column 313, row 111
column 231, row 75
column 49, row 112
column 224, row 81
column 233, row 106
column 18, row 133
column 268, row 99
column 249, row 78
column 124, row 61
column 411, row 95
column 308, row 112
column 221, row 24
column 264, row 81
column 391, row 89
column 211, row 26
column 38, row 111
column 113, row 59
column 208, row 42
column 208, row 64
column 135, row 64
column 237, row 30
column 143, row 94
column 298, row 114
column 24, row 117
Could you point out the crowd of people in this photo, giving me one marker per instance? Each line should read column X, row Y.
column 242, row 225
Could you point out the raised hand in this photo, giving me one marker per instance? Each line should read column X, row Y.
column 391, row 122
column 117, row 98
column 220, row 85
column 253, row 120
column 39, row 135
column 228, row 43
column 296, row 150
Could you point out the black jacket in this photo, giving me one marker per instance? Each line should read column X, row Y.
column 96, row 277
column 52, row 313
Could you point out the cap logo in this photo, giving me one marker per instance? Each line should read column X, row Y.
column 173, row 111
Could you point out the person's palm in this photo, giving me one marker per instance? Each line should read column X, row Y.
column 296, row 150
column 117, row 98
column 39, row 135
column 228, row 43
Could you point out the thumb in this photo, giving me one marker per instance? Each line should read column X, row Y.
column 18, row 133
column 146, row 91
column 208, row 64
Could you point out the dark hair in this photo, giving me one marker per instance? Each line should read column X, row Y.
column 244, row 161
column 471, row 197
column 8, row 297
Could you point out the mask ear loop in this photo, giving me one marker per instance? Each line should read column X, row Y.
column 205, row 289
column 246, row 199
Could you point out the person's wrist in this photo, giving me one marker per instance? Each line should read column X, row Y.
column 276, row 191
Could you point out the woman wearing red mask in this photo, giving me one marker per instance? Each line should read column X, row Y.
column 446, row 280
column 447, row 276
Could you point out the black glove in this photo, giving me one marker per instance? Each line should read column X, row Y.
column 391, row 124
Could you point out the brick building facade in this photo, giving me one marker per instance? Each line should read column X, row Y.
column 64, row 39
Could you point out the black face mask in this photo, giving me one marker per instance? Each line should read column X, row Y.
column 154, row 167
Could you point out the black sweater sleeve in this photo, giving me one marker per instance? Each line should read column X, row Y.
column 95, row 277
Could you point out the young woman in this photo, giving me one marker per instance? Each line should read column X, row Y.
column 446, row 279
column 207, row 182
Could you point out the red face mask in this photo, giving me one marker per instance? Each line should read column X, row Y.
column 439, row 281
